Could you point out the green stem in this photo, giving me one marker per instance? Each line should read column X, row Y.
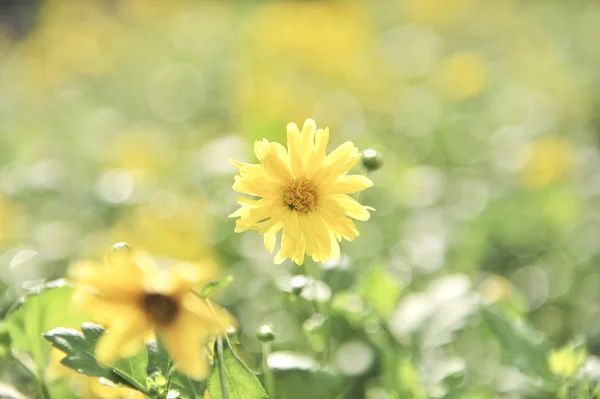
column 267, row 372
column 222, row 368
column 169, row 372
column 39, row 380
column 44, row 391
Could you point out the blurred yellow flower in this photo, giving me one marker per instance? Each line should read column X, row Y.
column 132, row 296
column 550, row 159
column 88, row 387
column 567, row 361
column 463, row 75
column 291, row 48
column 91, row 44
column 434, row 11
column 495, row 289
column 302, row 192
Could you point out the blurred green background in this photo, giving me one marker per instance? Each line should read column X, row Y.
column 118, row 118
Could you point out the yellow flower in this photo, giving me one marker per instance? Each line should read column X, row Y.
column 302, row 192
column 133, row 297
column 550, row 160
column 463, row 75
column 567, row 361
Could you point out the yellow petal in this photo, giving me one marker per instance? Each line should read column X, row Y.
column 318, row 154
column 293, row 142
column 119, row 282
column 307, row 138
column 352, row 207
column 186, row 346
column 123, row 338
column 348, row 185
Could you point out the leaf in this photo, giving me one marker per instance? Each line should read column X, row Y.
column 134, row 370
column 158, row 358
column 189, row 388
column 521, row 345
column 381, row 290
column 80, row 347
column 298, row 377
column 158, row 361
column 241, row 382
column 42, row 310
column 208, row 289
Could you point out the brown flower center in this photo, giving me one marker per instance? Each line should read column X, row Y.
column 161, row 308
column 301, row 195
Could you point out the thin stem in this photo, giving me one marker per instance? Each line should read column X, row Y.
column 267, row 372
column 169, row 372
column 44, row 391
column 41, row 384
column 222, row 368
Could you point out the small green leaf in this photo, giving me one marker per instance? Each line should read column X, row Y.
column 39, row 311
column 134, row 370
column 523, row 348
column 241, row 382
column 215, row 285
column 298, row 377
column 80, row 347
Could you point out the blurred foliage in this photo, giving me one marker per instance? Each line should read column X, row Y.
column 117, row 120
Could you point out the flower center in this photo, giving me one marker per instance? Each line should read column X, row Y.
column 301, row 195
column 161, row 308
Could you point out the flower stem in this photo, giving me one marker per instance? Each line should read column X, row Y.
column 222, row 368
column 39, row 379
column 267, row 372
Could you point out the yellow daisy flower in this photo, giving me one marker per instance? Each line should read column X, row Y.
column 131, row 296
column 303, row 192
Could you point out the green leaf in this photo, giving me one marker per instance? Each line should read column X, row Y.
column 298, row 377
column 522, row 346
column 134, row 370
column 158, row 358
column 41, row 310
column 380, row 289
column 215, row 285
column 189, row 388
column 80, row 347
column 241, row 382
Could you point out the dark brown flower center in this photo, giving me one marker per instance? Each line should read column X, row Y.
column 161, row 308
column 301, row 195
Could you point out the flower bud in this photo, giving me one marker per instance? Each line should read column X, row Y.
column 265, row 334
column 372, row 160
column 120, row 248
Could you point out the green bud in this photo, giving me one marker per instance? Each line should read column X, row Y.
column 372, row 160
column 265, row 334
